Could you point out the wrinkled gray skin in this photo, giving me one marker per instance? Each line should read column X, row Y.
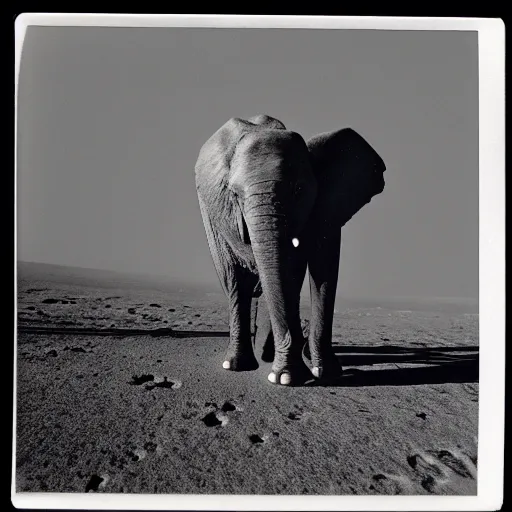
column 259, row 187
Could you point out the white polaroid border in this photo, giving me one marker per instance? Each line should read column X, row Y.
column 491, row 61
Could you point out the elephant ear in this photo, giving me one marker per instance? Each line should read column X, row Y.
column 349, row 173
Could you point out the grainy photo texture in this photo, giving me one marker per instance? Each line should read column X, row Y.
column 247, row 261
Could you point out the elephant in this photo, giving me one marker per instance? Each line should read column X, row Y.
column 273, row 206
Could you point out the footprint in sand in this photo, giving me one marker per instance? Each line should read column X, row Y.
column 437, row 467
column 153, row 382
column 256, row 439
column 227, row 406
column 297, row 414
column 138, row 454
column 215, row 419
column 219, row 417
column 163, row 382
column 457, row 462
column 431, row 472
column 96, row 483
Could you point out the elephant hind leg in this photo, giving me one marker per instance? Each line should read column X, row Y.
column 240, row 352
column 323, row 273
column 269, row 348
column 264, row 339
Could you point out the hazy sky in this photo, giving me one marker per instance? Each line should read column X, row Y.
column 111, row 121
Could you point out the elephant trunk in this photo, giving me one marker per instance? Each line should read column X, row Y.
column 272, row 246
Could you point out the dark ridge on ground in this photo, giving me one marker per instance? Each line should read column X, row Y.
column 84, row 331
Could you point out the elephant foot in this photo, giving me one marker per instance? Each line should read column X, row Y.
column 290, row 375
column 240, row 362
column 329, row 371
column 325, row 368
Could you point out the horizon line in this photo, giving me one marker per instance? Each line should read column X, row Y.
column 215, row 283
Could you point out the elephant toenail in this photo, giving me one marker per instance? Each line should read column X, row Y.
column 226, row 365
column 317, row 372
column 272, row 378
column 285, row 379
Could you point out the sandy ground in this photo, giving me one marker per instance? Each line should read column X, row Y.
column 157, row 414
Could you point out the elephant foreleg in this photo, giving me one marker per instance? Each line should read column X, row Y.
column 264, row 341
column 238, row 284
column 323, row 264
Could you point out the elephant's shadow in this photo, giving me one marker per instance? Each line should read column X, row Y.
column 436, row 365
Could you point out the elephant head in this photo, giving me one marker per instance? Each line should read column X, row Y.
column 275, row 188
column 273, row 204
